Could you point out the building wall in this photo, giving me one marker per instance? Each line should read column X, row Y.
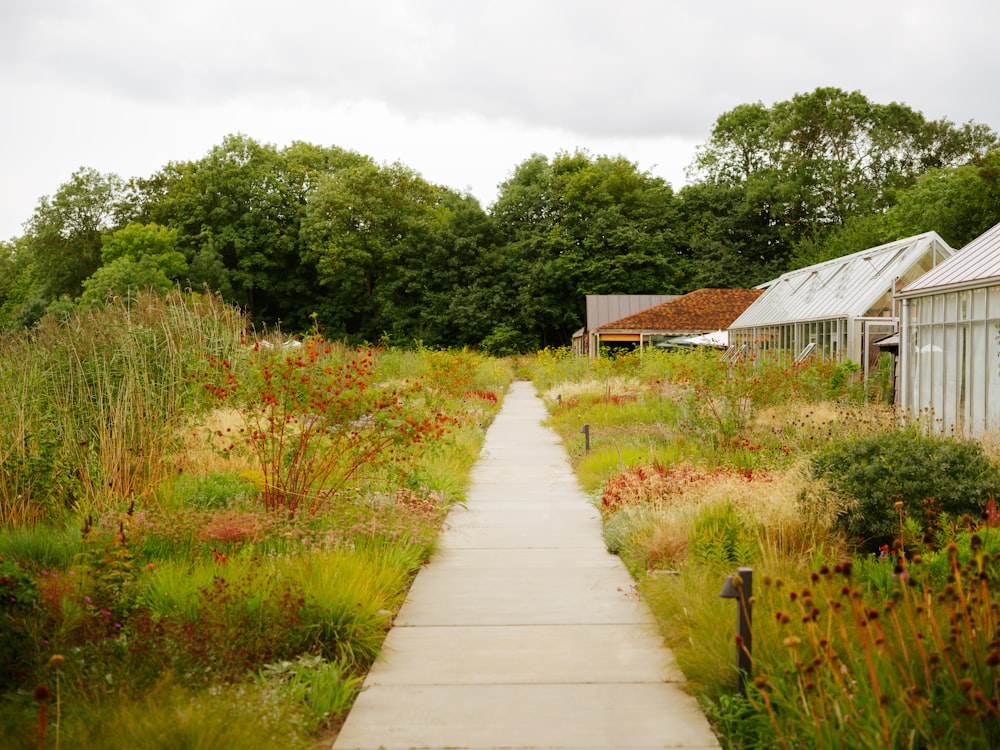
column 789, row 340
column 951, row 359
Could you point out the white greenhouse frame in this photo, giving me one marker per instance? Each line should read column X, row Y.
column 950, row 345
column 837, row 309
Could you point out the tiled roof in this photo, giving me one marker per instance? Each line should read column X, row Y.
column 700, row 311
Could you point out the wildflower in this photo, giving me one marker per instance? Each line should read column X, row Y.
column 56, row 660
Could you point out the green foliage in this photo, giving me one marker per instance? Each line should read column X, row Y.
column 926, row 474
column 212, row 491
column 503, row 341
column 18, row 595
column 107, row 568
column 40, row 546
column 970, row 547
column 581, row 225
column 322, row 690
column 65, row 233
column 34, row 471
column 719, row 535
column 825, row 157
column 958, row 203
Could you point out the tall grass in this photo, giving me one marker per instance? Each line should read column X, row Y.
column 167, row 718
column 94, row 401
column 836, row 668
column 40, row 546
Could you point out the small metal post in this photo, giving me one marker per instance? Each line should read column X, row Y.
column 586, row 434
column 739, row 586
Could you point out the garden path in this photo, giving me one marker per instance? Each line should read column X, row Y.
column 522, row 631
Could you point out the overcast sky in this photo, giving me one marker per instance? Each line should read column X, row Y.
column 459, row 90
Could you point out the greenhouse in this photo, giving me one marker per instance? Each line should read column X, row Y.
column 950, row 340
column 838, row 309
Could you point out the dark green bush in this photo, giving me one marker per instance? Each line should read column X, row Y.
column 928, row 474
column 18, row 595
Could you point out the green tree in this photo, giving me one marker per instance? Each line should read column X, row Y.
column 237, row 212
column 812, row 163
column 959, row 203
column 64, row 235
column 125, row 277
column 725, row 243
column 580, row 225
column 139, row 240
column 15, row 284
column 363, row 227
column 136, row 258
column 434, row 294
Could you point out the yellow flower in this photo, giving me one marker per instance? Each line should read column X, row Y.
column 56, row 660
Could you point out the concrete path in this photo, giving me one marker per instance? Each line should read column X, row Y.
column 523, row 632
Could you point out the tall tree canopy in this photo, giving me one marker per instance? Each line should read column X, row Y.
column 581, row 225
column 65, row 234
column 237, row 212
column 306, row 233
column 812, row 163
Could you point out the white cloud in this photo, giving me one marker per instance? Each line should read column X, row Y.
column 460, row 91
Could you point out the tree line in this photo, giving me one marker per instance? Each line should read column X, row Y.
column 306, row 234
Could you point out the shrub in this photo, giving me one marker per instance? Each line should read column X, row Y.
column 316, row 417
column 927, row 474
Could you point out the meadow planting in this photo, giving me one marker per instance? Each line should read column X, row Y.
column 206, row 530
column 874, row 545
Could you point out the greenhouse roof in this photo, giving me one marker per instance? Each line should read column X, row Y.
column 846, row 287
column 973, row 264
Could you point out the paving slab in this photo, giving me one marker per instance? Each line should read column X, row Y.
column 543, row 654
column 523, row 632
column 600, row 716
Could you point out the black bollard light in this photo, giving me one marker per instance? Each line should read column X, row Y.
column 739, row 586
column 586, row 435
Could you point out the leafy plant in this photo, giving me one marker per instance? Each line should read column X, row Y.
column 322, row 690
column 720, row 535
column 313, row 423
